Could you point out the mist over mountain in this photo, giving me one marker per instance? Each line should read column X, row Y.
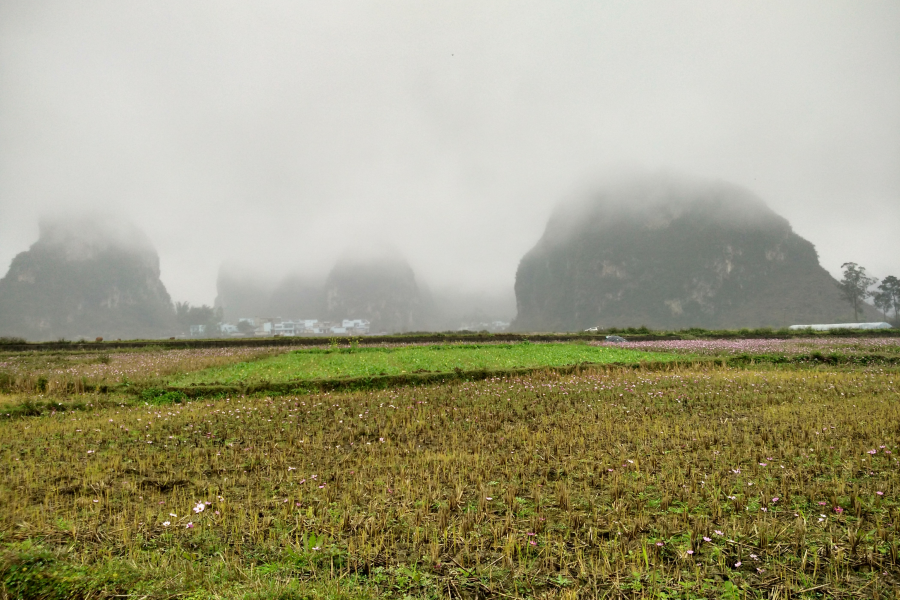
column 453, row 308
column 671, row 253
column 363, row 284
column 297, row 295
column 380, row 287
column 242, row 294
column 86, row 277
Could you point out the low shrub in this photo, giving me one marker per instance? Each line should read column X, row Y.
column 6, row 382
column 158, row 396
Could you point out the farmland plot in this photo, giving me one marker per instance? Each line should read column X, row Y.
column 65, row 371
column 327, row 363
column 704, row 482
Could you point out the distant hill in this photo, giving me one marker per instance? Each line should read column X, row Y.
column 85, row 278
column 670, row 254
column 241, row 294
column 297, row 296
column 379, row 287
column 374, row 283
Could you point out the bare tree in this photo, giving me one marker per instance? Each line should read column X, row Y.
column 855, row 286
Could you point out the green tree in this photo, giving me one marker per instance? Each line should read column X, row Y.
column 888, row 296
column 882, row 303
column 246, row 327
column 855, row 286
column 188, row 316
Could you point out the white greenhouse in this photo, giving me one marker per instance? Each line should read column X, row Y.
column 881, row 325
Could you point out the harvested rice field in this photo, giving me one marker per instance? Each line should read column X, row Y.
column 658, row 481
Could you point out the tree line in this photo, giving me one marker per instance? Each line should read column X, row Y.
column 207, row 316
column 857, row 286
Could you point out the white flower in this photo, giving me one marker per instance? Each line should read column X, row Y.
column 166, row 523
column 200, row 507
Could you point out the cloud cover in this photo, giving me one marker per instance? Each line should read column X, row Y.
column 275, row 134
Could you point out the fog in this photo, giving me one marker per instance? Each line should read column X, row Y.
column 83, row 234
column 273, row 137
column 653, row 199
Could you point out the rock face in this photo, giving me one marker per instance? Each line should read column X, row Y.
column 672, row 254
column 380, row 288
column 85, row 279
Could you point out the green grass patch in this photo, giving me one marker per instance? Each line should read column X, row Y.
column 333, row 363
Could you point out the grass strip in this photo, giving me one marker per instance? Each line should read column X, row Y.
column 380, row 382
column 814, row 358
column 8, row 344
column 130, row 394
column 331, row 363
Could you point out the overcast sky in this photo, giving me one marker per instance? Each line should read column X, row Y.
column 274, row 134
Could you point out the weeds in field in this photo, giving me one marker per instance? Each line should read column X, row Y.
column 73, row 372
column 704, row 482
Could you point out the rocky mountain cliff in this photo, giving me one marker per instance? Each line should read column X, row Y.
column 671, row 254
column 85, row 278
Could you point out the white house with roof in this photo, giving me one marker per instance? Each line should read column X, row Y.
column 284, row 328
column 267, row 327
column 356, row 326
